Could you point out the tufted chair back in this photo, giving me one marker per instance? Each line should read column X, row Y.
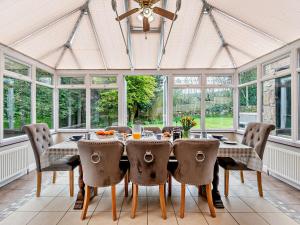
column 148, row 161
column 196, row 160
column 101, row 162
column 256, row 136
column 120, row 129
column 155, row 130
column 40, row 139
column 170, row 129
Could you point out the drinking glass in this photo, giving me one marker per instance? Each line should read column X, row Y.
column 137, row 131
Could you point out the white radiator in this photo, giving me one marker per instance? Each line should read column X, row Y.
column 13, row 162
column 284, row 163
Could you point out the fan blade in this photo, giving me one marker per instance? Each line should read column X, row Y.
column 146, row 25
column 154, row 2
column 130, row 12
column 165, row 13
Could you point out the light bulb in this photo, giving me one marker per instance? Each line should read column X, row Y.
column 147, row 12
column 140, row 16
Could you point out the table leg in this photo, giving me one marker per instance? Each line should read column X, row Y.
column 218, row 203
column 80, row 196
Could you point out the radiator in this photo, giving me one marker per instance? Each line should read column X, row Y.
column 13, row 162
column 284, row 163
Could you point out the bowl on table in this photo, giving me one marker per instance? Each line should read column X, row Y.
column 217, row 136
column 76, row 137
column 105, row 134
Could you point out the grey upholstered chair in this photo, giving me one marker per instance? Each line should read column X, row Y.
column 120, row 129
column 170, row 129
column 102, row 167
column 155, row 130
column 40, row 139
column 148, row 167
column 194, row 166
column 255, row 136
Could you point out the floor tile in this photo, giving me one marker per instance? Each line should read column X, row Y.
column 59, row 204
column 73, row 218
column 220, row 219
column 92, row 206
column 36, row 204
column 155, row 217
column 102, row 218
column 202, row 204
column 278, row 219
column 140, row 219
column 18, row 218
column 154, row 204
column 105, row 204
column 234, row 204
column 249, row 219
column 52, row 190
column 260, row 205
column 47, row 218
column 190, row 204
column 141, row 205
column 191, row 219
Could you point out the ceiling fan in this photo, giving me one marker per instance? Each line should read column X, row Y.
column 146, row 12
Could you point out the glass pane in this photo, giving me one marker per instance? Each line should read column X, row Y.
column 44, row 76
column 219, row 108
column 104, row 80
column 277, row 66
column 187, row 80
column 186, row 102
column 219, row 80
column 247, row 76
column 247, row 105
column 104, row 108
column 145, row 100
column 72, row 80
column 44, row 105
column 17, row 106
column 277, row 104
column 72, row 108
column 16, row 67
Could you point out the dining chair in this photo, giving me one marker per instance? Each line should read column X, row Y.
column 148, row 167
column 255, row 136
column 41, row 139
column 102, row 167
column 155, row 130
column 194, row 166
column 120, row 129
column 170, row 129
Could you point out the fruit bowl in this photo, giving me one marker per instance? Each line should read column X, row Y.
column 105, row 134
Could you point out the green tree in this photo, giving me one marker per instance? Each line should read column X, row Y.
column 107, row 105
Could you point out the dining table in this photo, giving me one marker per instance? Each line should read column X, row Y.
column 237, row 151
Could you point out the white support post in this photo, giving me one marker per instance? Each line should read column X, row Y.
column 56, row 102
column 169, row 119
column 295, row 93
column 122, row 111
column 203, row 104
column 33, row 94
column 259, row 92
column 88, row 102
column 235, row 101
column 1, row 94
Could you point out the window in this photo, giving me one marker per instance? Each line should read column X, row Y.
column 277, row 104
column 71, row 80
column 104, row 80
column 186, row 102
column 247, row 105
column 248, row 76
column 145, row 100
column 16, row 67
column 182, row 80
column 44, row 105
column 104, row 108
column 72, row 108
column 219, row 108
column 277, row 66
column 44, row 76
column 17, row 106
column 219, row 80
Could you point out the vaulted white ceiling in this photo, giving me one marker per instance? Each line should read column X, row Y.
column 229, row 34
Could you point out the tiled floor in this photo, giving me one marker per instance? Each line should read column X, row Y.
column 280, row 206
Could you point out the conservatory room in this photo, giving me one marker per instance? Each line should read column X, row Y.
column 177, row 112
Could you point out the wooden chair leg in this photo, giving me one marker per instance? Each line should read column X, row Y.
column 126, row 184
column 259, row 184
column 71, row 183
column 169, row 185
column 113, row 202
column 162, row 201
column 86, row 202
column 54, row 177
column 242, row 176
column 95, row 191
column 182, row 201
column 134, row 200
column 38, row 183
column 210, row 200
column 226, row 177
